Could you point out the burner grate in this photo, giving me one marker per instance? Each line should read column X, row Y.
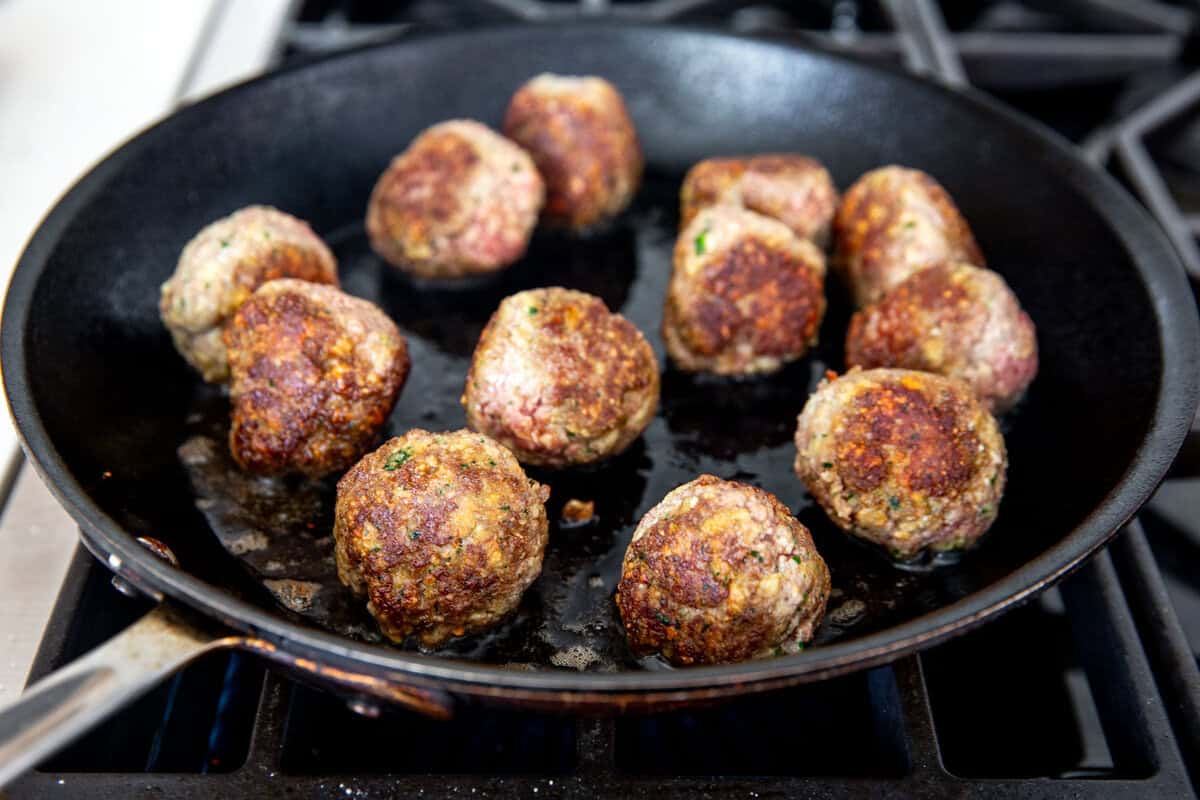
column 801, row 733
column 323, row 736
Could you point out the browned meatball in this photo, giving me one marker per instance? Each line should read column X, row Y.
column 720, row 571
column 893, row 222
column 442, row 532
column 461, row 200
column 584, row 145
column 907, row 460
column 560, row 380
column 794, row 189
column 223, row 265
column 952, row 319
column 746, row 294
column 315, row 373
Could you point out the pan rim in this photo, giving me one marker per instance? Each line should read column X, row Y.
column 1149, row 252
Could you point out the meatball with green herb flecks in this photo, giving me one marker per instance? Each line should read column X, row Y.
column 222, row 266
column 746, row 294
column 314, row 374
column 720, row 571
column 560, row 380
column 910, row 461
column 441, row 532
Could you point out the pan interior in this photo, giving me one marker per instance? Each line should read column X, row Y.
column 118, row 402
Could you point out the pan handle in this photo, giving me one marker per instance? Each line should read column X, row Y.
column 67, row 703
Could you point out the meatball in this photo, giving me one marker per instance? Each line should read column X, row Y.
column 442, row 532
column 461, row 200
column 893, row 222
column 746, row 295
column 223, row 265
column 720, row 571
column 314, row 375
column 560, row 380
column 584, row 145
column 907, row 460
column 794, row 189
column 952, row 319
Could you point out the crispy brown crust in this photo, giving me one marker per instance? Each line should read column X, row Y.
column 754, row 294
column 794, row 189
column 461, row 200
column 892, row 223
column 751, row 303
column 584, row 144
column 720, row 572
column 442, row 532
column 315, row 374
column 559, row 379
column 901, row 432
column 952, row 319
column 908, row 460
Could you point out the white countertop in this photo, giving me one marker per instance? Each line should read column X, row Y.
column 76, row 80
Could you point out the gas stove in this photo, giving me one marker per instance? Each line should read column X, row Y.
column 1090, row 691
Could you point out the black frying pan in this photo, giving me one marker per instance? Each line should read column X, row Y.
column 103, row 402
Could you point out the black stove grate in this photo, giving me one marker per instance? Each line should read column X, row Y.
column 1057, row 699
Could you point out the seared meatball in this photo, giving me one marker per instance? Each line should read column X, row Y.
column 907, row 460
column 560, row 380
column 794, row 189
column 720, row 571
column 893, row 222
column 746, row 294
column 461, row 200
column 442, row 532
column 223, row 265
column 952, row 319
column 584, row 145
column 314, row 375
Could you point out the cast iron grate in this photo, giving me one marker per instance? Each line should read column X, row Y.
column 802, row 733
column 323, row 736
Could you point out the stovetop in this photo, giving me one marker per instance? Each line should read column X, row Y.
column 1089, row 691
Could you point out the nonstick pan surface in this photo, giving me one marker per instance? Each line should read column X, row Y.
column 104, row 404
